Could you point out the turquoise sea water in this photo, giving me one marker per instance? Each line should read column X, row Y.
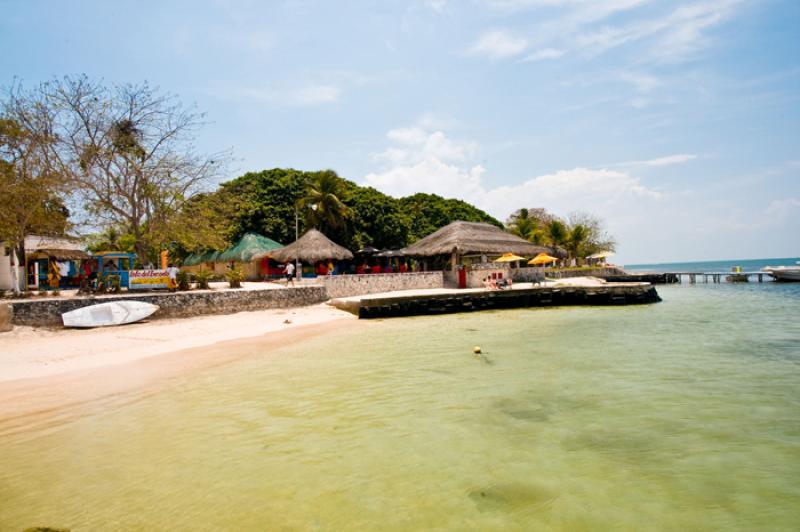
column 683, row 415
column 749, row 265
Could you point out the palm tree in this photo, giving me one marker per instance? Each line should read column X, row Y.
column 557, row 233
column 322, row 203
column 577, row 239
column 521, row 224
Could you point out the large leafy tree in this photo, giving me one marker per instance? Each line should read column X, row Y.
column 127, row 150
column 30, row 195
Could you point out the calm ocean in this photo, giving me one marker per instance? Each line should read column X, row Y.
column 682, row 415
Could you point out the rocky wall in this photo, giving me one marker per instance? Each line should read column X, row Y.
column 356, row 285
column 47, row 312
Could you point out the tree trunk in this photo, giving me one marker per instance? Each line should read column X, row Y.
column 15, row 267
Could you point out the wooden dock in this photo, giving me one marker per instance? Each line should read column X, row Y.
column 450, row 301
column 717, row 277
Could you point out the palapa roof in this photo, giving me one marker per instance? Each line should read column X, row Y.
column 467, row 238
column 313, row 246
column 61, row 254
column 248, row 247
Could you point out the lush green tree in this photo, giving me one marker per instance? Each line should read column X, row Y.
column 263, row 202
column 429, row 212
column 377, row 220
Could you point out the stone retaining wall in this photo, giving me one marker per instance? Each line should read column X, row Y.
column 47, row 312
column 374, row 283
column 5, row 317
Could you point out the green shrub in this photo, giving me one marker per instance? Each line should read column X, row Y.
column 235, row 277
column 203, row 277
column 183, row 279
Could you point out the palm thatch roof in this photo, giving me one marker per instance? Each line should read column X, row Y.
column 313, row 246
column 60, row 254
column 248, row 247
column 465, row 238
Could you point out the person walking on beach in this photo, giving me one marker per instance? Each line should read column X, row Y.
column 289, row 272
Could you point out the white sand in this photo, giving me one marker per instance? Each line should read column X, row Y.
column 28, row 352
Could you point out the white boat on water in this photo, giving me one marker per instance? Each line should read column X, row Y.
column 111, row 313
column 784, row 273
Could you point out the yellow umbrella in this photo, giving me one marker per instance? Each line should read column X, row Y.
column 509, row 257
column 541, row 258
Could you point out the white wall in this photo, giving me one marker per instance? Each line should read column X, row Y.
column 5, row 270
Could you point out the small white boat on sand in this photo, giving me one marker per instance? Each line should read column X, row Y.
column 784, row 273
column 111, row 313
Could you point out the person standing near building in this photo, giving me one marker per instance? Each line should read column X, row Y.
column 289, row 272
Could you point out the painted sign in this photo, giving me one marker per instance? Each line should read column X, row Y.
column 147, row 279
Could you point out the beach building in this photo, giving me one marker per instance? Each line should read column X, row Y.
column 43, row 256
column 465, row 252
column 251, row 253
column 311, row 249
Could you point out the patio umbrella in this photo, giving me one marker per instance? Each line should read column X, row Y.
column 509, row 257
column 541, row 258
column 601, row 255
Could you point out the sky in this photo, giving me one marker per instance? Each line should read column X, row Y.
column 676, row 122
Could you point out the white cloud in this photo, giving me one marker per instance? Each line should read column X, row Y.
column 428, row 161
column 667, row 160
column 667, row 34
column 783, row 208
column 498, row 44
column 542, row 54
column 670, row 159
column 599, row 190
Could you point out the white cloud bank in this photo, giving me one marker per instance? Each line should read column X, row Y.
column 423, row 160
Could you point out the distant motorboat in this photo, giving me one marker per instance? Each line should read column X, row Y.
column 111, row 313
column 784, row 273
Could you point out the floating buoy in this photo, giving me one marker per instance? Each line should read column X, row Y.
column 476, row 349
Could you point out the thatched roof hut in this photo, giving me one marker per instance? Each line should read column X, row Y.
column 313, row 246
column 472, row 238
column 250, row 247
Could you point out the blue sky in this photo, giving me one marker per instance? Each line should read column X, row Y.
column 677, row 122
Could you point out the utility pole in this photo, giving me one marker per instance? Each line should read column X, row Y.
column 296, row 259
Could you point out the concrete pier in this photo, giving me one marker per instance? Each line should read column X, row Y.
column 445, row 301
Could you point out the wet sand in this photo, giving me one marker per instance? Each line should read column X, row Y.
column 45, row 371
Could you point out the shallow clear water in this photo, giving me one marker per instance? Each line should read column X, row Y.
column 683, row 415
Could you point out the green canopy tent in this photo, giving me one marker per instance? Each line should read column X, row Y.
column 200, row 258
column 246, row 249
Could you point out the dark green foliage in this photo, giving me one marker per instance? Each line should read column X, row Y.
column 429, row 212
column 264, row 202
column 182, row 280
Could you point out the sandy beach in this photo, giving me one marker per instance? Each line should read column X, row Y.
column 42, row 371
column 27, row 352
